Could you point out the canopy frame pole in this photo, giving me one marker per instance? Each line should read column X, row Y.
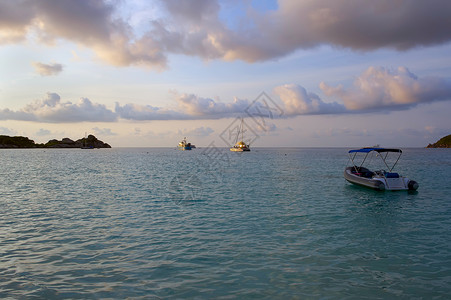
column 363, row 160
column 399, row 156
column 353, row 163
column 384, row 160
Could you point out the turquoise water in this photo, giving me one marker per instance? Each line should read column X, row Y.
column 272, row 223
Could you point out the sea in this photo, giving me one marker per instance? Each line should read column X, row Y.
column 273, row 223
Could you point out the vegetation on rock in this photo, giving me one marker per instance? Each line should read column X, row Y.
column 16, row 142
column 24, row 142
column 444, row 142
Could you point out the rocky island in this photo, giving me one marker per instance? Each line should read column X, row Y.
column 444, row 142
column 13, row 142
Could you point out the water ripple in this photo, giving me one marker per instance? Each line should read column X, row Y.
column 106, row 224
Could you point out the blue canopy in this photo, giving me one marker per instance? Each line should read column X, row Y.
column 367, row 150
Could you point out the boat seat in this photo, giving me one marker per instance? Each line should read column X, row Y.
column 392, row 175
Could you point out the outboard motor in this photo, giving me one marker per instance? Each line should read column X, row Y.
column 412, row 185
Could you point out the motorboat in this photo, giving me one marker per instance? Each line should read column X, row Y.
column 377, row 179
column 240, row 146
column 184, row 145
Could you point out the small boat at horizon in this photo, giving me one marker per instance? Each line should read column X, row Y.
column 378, row 179
column 184, row 145
column 240, row 146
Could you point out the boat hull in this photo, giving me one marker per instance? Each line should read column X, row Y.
column 184, row 148
column 233, row 149
column 378, row 182
column 362, row 181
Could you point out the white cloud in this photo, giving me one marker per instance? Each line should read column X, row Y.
column 297, row 101
column 341, row 132
column 48, row 69
column 52, row 110
column 146, row 112
column 380, row 89
column 376, row 89
column 189, row 107
column 43, row 132
column 7, row 131
column 199, row 131
column 198, row 106
column 103, row 131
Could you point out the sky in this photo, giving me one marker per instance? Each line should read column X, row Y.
column 301, row 73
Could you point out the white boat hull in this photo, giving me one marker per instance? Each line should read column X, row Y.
column 236, row 149
column 378, row 182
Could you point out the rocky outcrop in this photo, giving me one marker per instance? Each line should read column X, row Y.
column 16, row 142
column 444, row 142
column 89, row 142
column 24, row 142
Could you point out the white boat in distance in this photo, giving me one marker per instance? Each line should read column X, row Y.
column 379, row 179
column 240, row 146
column 184, row 145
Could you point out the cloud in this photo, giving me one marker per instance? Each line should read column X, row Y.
column 146, row 113
column 14, row 21
column 340, row 132
column 439, row 132
column 378, row 88
column 91, row 23
column 7, row 131
column 358, row 25
column 43, row 132
column 103, row 131
column 52, row 110
column 198, row 106
column 196, row 28
column 47, row 69
column 265, row 128
column 200, row 131
column 297, row 101
column 189, row 107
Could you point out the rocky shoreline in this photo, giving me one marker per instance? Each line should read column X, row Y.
column 444, row 142
column 15, row 142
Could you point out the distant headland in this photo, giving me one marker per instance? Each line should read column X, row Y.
column 444, row 142
column 12, row 142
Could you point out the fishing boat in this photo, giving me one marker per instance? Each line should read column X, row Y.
column 377, row 179
column 184, row 145
column 240, row 146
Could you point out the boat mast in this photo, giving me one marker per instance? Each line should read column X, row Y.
column 242, row 130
